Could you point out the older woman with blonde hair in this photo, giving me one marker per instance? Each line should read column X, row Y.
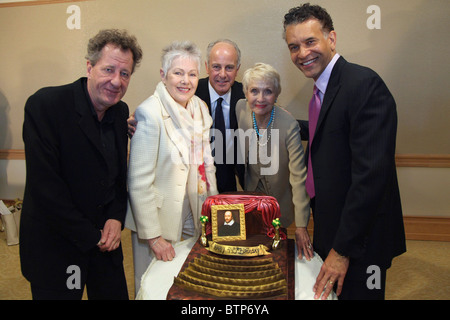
column 272, row 151
column 171, row 171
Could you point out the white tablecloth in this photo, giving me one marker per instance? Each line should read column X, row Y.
column 158, row 279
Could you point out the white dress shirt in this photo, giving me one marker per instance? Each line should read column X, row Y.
column 322, row 81
column 226, row 111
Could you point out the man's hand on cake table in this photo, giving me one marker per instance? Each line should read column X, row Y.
column 162, row 249
column 303, row 243
column 332, row 271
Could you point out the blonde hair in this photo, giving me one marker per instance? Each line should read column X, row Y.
column 262, row 71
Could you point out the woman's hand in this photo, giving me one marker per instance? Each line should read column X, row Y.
column 303, row 243
column 162, row 249
column 132, row 124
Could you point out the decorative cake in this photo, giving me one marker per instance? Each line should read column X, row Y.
column 251, row 259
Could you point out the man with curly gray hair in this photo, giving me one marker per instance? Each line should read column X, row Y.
column 75, row 198
column 118, row 38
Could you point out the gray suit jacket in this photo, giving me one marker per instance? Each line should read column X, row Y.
column 285, row 174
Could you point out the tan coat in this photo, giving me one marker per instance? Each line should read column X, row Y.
column 285, row 180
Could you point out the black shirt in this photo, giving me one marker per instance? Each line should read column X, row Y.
column 108, row 141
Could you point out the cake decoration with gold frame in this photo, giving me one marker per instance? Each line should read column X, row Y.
column 219, row 215
column 253, row 262
column 267, row 207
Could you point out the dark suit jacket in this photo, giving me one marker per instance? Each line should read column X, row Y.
column 228, row 231
column 357, row 209
column 225, row 173
column 65, row 203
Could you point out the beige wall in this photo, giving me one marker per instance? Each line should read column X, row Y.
column 410, row 52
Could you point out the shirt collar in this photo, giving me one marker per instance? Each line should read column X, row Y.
column 214, row 96
column 108, row 117
column 322, row 82
column 229, row 223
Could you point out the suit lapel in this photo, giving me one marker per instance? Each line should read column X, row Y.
column 87, row 125
column 203, row 92
column 86, row 121
column 236, row 94
column 121, row 136
column 331, row 92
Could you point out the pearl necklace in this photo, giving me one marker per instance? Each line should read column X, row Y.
column 270, row 124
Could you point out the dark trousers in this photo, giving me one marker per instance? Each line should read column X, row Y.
column 358, row 285
column 104, row 280
column 356, row 280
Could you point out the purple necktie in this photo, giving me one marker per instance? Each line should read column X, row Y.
column 314, row 110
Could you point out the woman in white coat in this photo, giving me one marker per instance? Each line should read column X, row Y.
column 171, row 171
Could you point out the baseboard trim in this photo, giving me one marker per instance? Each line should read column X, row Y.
column 423, row 160
column 12, row 154
column 427, row 228
column 416, row 228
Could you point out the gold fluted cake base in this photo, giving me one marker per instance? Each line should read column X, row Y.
column 231, row 278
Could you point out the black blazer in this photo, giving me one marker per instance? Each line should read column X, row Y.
column 225, row 173
column 64, row 204
column 357, row 209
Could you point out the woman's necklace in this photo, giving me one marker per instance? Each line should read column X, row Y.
column 270, row 124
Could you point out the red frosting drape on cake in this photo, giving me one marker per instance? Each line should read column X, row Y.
column 267, row 205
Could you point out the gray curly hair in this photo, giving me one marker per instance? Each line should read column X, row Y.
column 177, row 49
column 119, row 38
